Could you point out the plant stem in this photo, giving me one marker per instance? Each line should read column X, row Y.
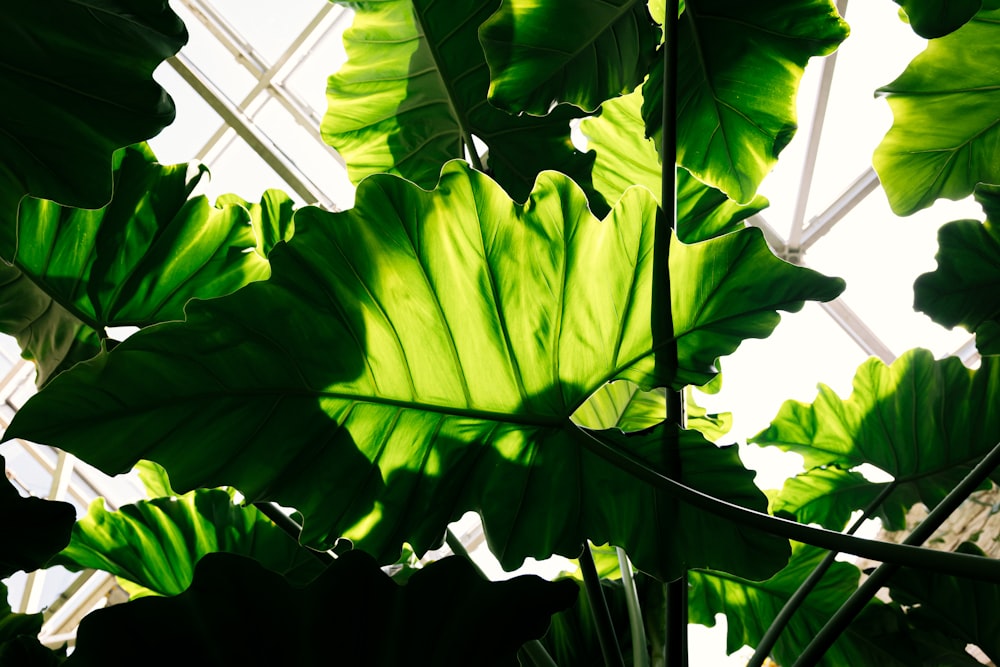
column 770, row 637
column 639, row 656
column 536, row 653
column 957, row 564
column 676, row 592
column 293, row 529
column 599, row 609
column 867, row 590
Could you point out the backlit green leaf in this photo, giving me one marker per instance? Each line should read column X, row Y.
column 413, row 94
column 135, row 262
column 925, row 422
column 827, row 496
column 578, row 51
column 407, row 362
column 626, row 158
column 353, row 615
column 963, row 290
column 81, row 75
column 157, row 543
column 946, row 130
column 739, row 71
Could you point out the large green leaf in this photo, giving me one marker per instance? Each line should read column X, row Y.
column 626, row 158
column 925, row 422
column 960, row 608
column 238, row 613
column 413, row 93
column 963, row 291
column 407, row 362
column 946, row 131
column 137, row 261
column 578, row 51
column 77, row 78
column 739, row 71
column 750, row 607
column 937, row 18
column 157, row 543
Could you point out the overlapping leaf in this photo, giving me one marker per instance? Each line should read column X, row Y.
column 81, row 76
column 961, row 608
column 739, row 71
column 353, row 614
column 421, row 355
column 33, row 529
column 750, row 607
column 137, row 261
column 925, row 422
column 157, row 543
column 626, row 158
column 413, row 93
column 946, row 131
column 937, row 18
column 578, row 51
column 624, row 406
column 963, row 291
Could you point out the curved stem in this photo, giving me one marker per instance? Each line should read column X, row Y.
column 774, row 630
column 836, row 625
column 963, row 565
column 292, row 528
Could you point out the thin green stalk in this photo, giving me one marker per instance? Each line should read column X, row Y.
column 639, row 656
column 780, row 621
column 531, row 649
column 536, row 653
column 866, row 591
column 957, row 564
column 599, row 609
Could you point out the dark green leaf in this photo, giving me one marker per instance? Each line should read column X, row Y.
column 47, row 333
column 33, row 529
column 157, row 543
column 352, row 615
column 937, row 18
column 578, row 51
column 413, row 93
column 626, row 158
column 80, row 73
column 739, row 71
column 959, row 608
column 750, row 607
column 925, row 422
column 944, row 137
column 404, row 364
column 963, row 291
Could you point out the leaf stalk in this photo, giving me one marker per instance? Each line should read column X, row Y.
column 780, row 621
column 866, row 591
column 599, row 609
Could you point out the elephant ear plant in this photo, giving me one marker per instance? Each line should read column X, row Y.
column 502, row 323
